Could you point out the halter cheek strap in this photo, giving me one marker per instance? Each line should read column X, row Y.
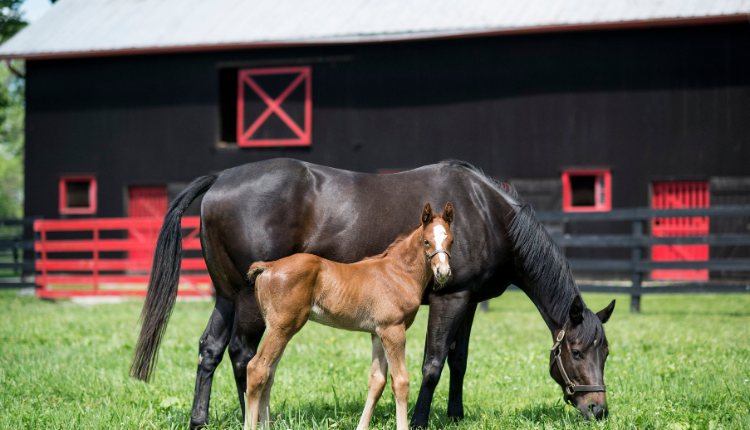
column 570, row 387
column 432, row 254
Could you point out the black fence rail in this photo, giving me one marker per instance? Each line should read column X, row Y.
column 638, row 239
column 16, row 253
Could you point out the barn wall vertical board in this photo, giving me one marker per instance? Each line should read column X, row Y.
column 643, row 103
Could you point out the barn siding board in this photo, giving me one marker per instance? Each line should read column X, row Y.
column 645, row 103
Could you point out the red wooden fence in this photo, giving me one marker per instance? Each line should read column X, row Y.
column 84, row 257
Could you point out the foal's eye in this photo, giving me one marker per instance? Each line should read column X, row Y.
column 576, row 354
column 426, row 242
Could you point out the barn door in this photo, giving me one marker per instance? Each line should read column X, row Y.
column 145, row 202
column 680, row 195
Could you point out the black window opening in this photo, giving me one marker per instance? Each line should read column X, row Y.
column 583, row 191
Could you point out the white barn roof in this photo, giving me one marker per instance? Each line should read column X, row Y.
column 74, row 28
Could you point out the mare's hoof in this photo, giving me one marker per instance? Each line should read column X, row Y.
column 197, row 424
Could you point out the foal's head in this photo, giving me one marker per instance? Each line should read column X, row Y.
column 438, row 240
column 582, row 347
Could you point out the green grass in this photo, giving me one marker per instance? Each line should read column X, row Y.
column 684, row 363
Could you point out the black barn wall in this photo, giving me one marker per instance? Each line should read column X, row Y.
column 672, row 102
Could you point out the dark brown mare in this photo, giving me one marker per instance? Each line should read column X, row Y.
column 272, row 209
column 379, row 295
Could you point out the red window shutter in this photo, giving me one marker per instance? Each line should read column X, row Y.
column 680, row 195
column 263, row 118
column 77, row 195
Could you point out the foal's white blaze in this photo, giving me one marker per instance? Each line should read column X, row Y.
column 440, row 236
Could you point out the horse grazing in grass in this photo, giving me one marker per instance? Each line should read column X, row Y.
column 378, row 295
column 272, row 209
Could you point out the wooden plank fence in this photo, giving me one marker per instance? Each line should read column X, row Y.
column 16, row 242
column 638, row 239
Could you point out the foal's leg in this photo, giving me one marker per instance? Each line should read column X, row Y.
column 376, row 384
column 265, row 396
column 394, row 343
column 259, row 371
column 458, row 356
column 446, row 314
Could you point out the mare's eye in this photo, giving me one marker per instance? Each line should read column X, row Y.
column 426, row 242
column 576, row 354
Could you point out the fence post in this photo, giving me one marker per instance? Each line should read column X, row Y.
column 635, row 294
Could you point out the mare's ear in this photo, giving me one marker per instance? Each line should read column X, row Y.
column 427, row 214
column 576, row 310
column 605, row 313
column 448, row 213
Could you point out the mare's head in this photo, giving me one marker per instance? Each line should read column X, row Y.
column 582, row 349
column 438, row 239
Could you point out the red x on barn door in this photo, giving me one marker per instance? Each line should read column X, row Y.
column 274, row 106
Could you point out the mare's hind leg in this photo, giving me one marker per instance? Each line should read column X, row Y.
column 394, row 343
column 457, row 360
column 376, row 384
column 210, row 352
column 243, row 346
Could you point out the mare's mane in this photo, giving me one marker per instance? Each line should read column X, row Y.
column 541, row 259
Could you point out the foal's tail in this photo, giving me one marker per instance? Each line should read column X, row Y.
column 254, row 272
column 165, row 276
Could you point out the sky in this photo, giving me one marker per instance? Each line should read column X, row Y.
column 34, row 9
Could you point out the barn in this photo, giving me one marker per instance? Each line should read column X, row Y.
column 585, row 106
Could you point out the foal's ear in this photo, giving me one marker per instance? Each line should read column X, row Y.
column 448, row 213
column 427, row 214
column 605, row 313
column 576, row 310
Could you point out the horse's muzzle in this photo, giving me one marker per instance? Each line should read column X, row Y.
column 442, row 276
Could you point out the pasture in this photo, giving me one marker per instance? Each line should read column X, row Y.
column 684, row 363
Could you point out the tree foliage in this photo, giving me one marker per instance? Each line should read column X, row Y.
column 11, row 118
column 10, row 19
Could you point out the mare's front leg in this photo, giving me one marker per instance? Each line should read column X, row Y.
column 458, row 356
column 376, row 384
column 394, row 344
column 446, row 315
column 210, row 352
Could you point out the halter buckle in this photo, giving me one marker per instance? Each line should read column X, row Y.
column 570, row 389
column 560, row 336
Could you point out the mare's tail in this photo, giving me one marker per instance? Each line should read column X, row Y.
column 165, row 276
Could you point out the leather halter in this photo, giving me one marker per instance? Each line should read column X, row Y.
column 432, row 254
column 570, row 386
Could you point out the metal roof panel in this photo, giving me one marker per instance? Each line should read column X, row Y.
column 84, row 26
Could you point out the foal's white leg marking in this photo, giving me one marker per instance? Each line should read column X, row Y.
column 440, row 235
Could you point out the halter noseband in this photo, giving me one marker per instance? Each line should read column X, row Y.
column 432, row 254
column 570, row 387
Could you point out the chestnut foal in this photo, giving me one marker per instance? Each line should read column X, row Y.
column 379, row 295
